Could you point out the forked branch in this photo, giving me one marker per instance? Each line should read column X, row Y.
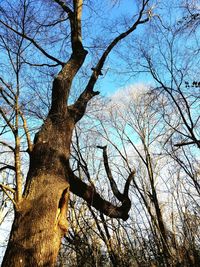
column 62, row 83
column 121, row 197
column 90, row 195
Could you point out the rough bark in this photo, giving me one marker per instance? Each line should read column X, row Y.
column 38, row 226
column 40, row 218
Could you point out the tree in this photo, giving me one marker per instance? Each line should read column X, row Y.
column 40, row 211
column 137, row 126
column 135, row 123
column 173, row 72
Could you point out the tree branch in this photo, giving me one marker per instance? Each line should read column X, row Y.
column 8, row 86
column 80, row 105
column 6, row 188
column 62, row 83
column 113, row 184
column 33, row 42
column 90, row 195
column 7, row 120
column 26, row 130
column 64, row 7
column 7, row 145
column 75, row 22
column 40, row 65
column 196, row 142
column 121, row 197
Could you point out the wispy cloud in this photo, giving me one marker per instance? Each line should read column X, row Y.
column 124, row 95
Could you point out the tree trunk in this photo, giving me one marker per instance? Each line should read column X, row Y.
column 37, row 229
column 40, row 218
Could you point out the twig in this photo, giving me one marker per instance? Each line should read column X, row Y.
column 6, row 188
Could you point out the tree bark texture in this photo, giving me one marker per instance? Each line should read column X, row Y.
column 40, row 218
column 38, row 226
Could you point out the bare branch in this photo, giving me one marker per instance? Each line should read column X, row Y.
column 8, row 86
column 121, row 197
column 33, row 42
column 4, row 95
column 5, row 189
column 75, row 22
column 64, row 7
column 7, row 167
column 62, row 83
column 40, row 65
column 28, row 137
column 8, row 188
column 113, row 184
column 81, row 103
column 89, row 194
column 7, row 120
column 9, row 146
column 196, row 142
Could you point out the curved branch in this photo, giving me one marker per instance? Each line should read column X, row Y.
column 7, row 145
column 121, row 197
column 93, row 198
column 10, row 167
column 89, row 194
column 64, row 7
column 113, row 184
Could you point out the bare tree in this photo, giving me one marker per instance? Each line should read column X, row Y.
column 136, row 124
column 40, row 210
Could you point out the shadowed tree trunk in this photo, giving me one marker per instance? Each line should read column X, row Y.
column 40, row 214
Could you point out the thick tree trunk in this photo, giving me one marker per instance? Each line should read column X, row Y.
column 38, row 225
column 40, row 218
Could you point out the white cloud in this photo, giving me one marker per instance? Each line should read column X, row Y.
column 123, row 96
